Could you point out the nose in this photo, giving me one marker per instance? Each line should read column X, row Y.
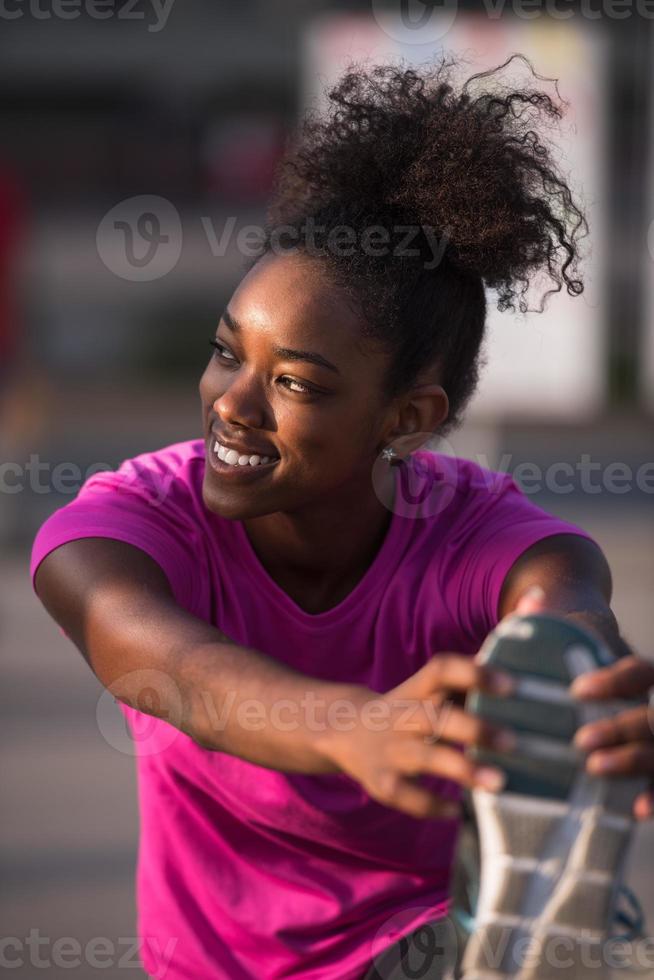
column 241, row 403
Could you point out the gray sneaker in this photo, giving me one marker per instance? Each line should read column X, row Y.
column 553, row 842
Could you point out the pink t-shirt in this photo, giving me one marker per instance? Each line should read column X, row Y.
column 245, row 872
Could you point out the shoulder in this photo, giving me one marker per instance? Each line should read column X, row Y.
column 152, row 501
column 571, row 569
column 485, row 510
column 480, row 522
column 465, row 495
column 165, row 475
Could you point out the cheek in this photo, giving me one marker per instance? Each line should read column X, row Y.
column 336, row 441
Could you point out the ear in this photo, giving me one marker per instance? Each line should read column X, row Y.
column 420, row 416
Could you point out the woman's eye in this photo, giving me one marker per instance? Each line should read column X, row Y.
column 300, row 388
column 222, row 350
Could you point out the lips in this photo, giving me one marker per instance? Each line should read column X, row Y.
column 234, row 472
column 245, row 449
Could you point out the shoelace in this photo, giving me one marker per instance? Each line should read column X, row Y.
column 631, row 916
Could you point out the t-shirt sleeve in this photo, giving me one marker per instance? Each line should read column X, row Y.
column 499, row 525
column 141, row 504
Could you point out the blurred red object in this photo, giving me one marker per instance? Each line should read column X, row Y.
column 13, row 219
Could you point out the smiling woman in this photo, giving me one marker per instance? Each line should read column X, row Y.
column 293, row 597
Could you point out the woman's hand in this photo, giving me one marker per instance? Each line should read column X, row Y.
column 626, row 739
column 393, row 741
column 418, row 728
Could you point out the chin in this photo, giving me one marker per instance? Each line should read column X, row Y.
column 227, row 505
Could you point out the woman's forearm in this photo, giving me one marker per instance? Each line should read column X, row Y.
column 247, row 704
column 115, row 604
column 225, row 696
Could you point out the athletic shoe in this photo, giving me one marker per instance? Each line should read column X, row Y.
column 554, row 841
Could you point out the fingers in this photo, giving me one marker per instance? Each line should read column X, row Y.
column 450, row 763
column 632, row 737
column 633, row 725
column 402, row 793
column 644, row 805
column 634, row 759
column 451, row 671
column 530, row 603
column 397, row 787
column 456, row 725
column 629, row 677
column 409, row 758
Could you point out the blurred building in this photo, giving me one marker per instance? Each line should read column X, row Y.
column 187, row 108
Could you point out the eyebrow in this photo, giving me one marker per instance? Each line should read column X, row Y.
column 288, row 353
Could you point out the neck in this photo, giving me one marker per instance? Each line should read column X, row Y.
column 322, row 546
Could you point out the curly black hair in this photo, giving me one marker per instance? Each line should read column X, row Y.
column 401, row 149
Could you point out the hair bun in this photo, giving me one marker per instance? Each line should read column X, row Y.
column 470, row 168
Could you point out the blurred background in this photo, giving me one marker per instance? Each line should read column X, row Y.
column 136, row 141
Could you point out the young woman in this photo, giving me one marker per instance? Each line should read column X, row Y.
column 296, row 597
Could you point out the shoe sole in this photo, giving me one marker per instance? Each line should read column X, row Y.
column 553, row 842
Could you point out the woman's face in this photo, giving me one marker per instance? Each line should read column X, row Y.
column 291, row 380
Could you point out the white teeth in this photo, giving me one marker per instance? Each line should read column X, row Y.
column 233, row 458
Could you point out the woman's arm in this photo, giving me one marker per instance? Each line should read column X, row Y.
column 116, row 605
column 576, row 580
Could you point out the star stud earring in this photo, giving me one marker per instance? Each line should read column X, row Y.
column 389, row 454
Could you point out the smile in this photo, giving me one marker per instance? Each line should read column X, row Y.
column 232, row 458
